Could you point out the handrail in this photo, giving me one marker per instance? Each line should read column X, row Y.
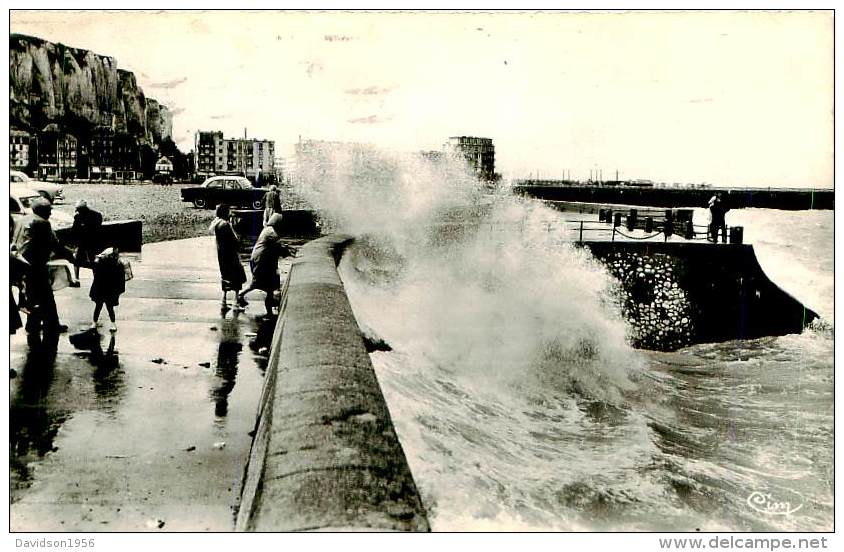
column 582, row 227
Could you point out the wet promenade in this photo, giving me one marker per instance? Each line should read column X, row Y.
column 151, row 434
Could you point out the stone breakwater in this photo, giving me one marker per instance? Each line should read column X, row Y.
column 678, row 293
column 659, row 311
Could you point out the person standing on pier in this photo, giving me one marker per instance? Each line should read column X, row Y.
column 717, row 222
column 232, row 275
column 264, row 263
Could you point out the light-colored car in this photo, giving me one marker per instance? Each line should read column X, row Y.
column 20, row 204
column 50, row 192
column 234, row 191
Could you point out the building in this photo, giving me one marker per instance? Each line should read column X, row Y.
column 249, row 157
column 111, row 155
column 163, row 165
column 100, row 154
column 479, row 153
column 317, row 159
column 285, row 167
column 209, row 153
column 433, row 156
column 56, row 154
column 19, row 149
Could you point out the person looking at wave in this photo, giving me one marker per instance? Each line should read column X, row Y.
column 717, row 223
column 264, row 263
column 232, row 276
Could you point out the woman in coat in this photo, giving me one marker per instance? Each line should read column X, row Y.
column 264, row 262
column 272, row 203
column 232, row 275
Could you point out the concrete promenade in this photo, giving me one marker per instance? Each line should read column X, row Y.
column 155, row 436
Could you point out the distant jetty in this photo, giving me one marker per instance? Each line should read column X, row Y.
column 792, row 199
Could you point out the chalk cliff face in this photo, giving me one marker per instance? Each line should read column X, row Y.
column 79, row 90
column 159, row 121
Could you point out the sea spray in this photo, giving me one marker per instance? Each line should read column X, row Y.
column 509, row 382
column 487, row 284
column 359, row 189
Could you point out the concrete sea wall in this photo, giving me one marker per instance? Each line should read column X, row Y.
column 126, row 235
column 295, row 223
column 678, row 294
column 325, row 455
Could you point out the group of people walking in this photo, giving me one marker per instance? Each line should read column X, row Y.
column 263, row 261
column 33, row 244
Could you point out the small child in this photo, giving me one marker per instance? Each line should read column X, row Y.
column 109, row 283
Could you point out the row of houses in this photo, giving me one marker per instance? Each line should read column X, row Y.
column 255, row 158
column 53, row 154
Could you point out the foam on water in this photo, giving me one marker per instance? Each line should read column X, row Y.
column 794, row 248
column 517, row 400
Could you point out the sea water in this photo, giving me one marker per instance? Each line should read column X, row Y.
column 519, row 403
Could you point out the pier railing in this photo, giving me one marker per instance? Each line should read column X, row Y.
column 672, row 223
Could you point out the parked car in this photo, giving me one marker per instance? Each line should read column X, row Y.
column 20, row 202
column 50, row 192
column 235, row 191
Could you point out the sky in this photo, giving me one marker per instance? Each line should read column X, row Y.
column 728, row 98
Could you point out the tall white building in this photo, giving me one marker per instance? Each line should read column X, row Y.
column 248, row 157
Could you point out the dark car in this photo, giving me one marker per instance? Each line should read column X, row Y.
column 162, row 178
column 235, row 191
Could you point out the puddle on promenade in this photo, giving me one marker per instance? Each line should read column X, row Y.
column 156, row 427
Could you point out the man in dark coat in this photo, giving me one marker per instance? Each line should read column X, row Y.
column 717, row 222
column 36, row 242
column 87, row 224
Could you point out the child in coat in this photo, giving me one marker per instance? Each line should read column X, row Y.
column 108, row 284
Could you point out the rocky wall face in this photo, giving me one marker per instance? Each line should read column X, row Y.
column 159, row 121
column 657, row 308
column 131, row 113
column 79, row 90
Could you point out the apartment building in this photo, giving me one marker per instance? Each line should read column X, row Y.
column 56, row 154
column 479, row 153
column 249, row 157
column 19, row 149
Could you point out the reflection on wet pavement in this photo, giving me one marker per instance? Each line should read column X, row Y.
column 152, row 422
column 226, row 366
column 32, row 426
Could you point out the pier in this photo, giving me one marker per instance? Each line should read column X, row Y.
column 660, row 196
